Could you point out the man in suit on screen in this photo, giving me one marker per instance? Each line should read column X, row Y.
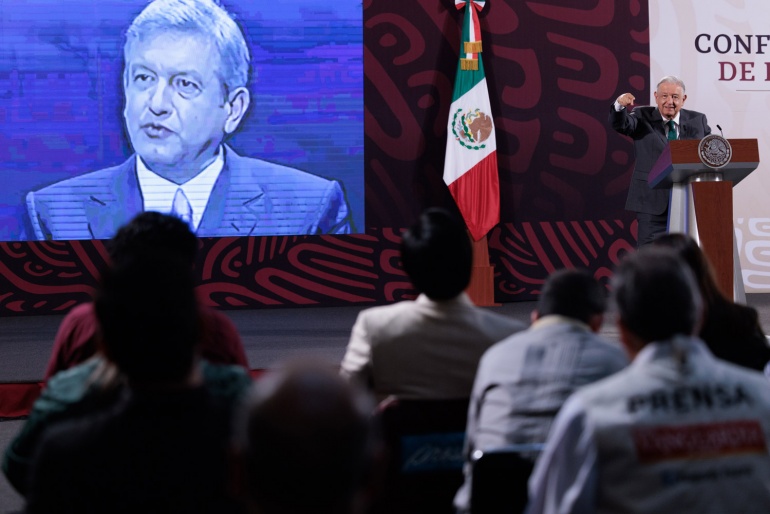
column 185, row 78
column 652, row 128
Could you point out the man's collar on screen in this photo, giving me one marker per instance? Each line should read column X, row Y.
column 158, row 192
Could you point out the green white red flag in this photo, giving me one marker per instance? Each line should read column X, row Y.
column 470, row 167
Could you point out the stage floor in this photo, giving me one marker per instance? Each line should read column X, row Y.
column 269, row 336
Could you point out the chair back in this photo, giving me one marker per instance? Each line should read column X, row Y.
column 424, row 441
column 500, row 477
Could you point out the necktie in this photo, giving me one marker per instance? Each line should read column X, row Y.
column 671, row 130
column 181, row 207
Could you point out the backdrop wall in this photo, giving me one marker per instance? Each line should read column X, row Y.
column 553, row 69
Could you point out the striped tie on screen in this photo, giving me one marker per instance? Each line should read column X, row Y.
column 181, row 207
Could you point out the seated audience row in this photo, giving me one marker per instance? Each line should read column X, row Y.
column 522, row 382
column 679, row 430
column 145, row 423
column 94, row 382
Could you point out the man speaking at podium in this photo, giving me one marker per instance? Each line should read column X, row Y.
column 652, row 128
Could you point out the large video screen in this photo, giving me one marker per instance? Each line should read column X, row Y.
column 89, row 138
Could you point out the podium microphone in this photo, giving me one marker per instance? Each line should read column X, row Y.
column 720, row 131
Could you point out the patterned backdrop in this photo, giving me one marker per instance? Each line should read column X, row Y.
column 553, row 69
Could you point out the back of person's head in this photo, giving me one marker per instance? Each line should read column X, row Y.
column 150, row 233
column 148, row 318
column 305, row 442
column 656, row 295
column 437, row 255
column 573, row 293
column 689, row 251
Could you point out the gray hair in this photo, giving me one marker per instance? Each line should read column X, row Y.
column 206, row 17
column 671, row 79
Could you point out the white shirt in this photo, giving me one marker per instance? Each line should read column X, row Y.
column 677, row 431
column 158, row 193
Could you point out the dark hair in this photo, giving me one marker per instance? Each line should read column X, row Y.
column 151, row 232
column 436, row 254
column 689, row 251
column 574, row 293
column 307, row 438
column 656, row 295
column 148, row 318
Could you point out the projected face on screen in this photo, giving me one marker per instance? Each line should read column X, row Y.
column 177, row 109
column 187, row 142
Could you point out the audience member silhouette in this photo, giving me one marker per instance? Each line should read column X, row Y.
column 162, row 446
column 428, row 348
column 306, row 443
column 731, row 331
column 523, row 380
column 95, row 383
column 148, row 232
column 678, row 430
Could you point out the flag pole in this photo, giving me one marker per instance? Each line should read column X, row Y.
column 470, row 166
column 481, row 288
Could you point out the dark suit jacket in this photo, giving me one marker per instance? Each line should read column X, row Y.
column 645, row 126
column 733, row 333
column 251, row 197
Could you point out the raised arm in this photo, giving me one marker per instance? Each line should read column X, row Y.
column 622, row 119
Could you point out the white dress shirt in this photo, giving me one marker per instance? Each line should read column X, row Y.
column 158, row 193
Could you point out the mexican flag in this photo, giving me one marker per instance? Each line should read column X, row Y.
column 470, row 168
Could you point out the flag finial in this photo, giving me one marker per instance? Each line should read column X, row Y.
column 471, row 37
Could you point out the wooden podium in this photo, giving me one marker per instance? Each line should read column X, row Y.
column 481, row 288
column 701, row 201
